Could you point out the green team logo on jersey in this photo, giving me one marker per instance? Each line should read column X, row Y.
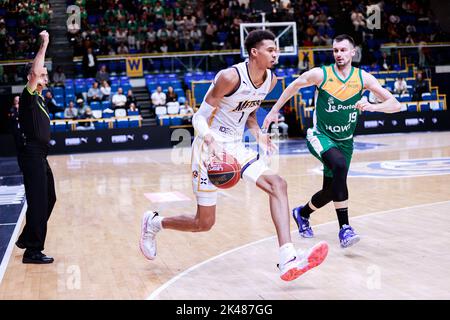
column 336, row 118
column 336, row 108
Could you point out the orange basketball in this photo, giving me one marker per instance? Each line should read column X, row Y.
column 225, row 172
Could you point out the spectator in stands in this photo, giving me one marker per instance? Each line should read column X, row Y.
column 119, row 100
column 162, row 34
column 121, row 35
column 111, row 51
column 81, row 106
column 94, row 93
column 400, row 86
column 186, row 40
column 122, row 49
column 358, row 20
column 106, row 90
column 158, row 97
column 196, row 36
column 409, row 39
column 86, row 125
column 171, row 96
column 131, row 40
column 384, row 62
column 59, row 77
column 89, row 63
column 187, row 112
column 158, row 11
column 70, row 112
column 51, row 104
column 102, row 74
column 150, row 44
column 131, row 100
column 283, row 126
column 186, row 108
column 133, row 108
column 173, row 42
column 420, row 86
column 164, row 48
column 210, row 35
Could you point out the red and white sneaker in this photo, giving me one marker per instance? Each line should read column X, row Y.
column 149, row 229
column 303, row 262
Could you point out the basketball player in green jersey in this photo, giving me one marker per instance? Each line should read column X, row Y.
column 338, row 103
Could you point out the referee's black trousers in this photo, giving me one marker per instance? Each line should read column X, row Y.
column 40, row 193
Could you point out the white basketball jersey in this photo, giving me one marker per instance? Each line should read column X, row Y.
column 228, row 122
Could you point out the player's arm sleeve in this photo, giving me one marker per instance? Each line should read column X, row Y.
column 200, row 119
column 225, row 83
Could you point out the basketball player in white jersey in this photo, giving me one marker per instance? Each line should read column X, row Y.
column 229, row 105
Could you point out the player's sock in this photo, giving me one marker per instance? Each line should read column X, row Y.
column 342, row 214
column 306, row 211
column 157, row 221
column 287, row 252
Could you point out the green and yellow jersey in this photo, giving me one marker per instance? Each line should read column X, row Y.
column 335, row 114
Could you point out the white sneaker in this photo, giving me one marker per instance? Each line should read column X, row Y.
column 149, row 229
column 304, row 261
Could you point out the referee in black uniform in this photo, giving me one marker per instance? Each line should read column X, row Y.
column 32, row 157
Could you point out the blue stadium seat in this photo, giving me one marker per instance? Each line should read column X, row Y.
column 424, row 106
column 121, row 123
column 59, row 115
column 133, row 123
column 58, row 91
column 69, row 90
column 106, row 105
column 427, row 96
column 176, row 121
column 60, row 127
column 106, row 115
column 163, row 121
column 99, row 125
column 405, row 98
column 89, row 82
column 95, row 105
column 80, row 86
column 411, row 107
column 70, row 97
column 59, row 100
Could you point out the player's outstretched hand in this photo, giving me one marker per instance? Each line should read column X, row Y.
column 265, row 141
column 271, row 117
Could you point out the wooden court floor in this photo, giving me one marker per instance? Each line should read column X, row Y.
column 399, row 203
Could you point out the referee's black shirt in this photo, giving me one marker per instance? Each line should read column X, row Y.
column 34, row 117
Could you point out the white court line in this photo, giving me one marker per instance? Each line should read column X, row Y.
column 179, row 276
column 8, row 252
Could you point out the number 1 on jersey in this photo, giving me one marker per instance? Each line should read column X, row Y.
column 241, row 117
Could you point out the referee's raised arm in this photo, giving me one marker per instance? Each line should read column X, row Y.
column 37, row 71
